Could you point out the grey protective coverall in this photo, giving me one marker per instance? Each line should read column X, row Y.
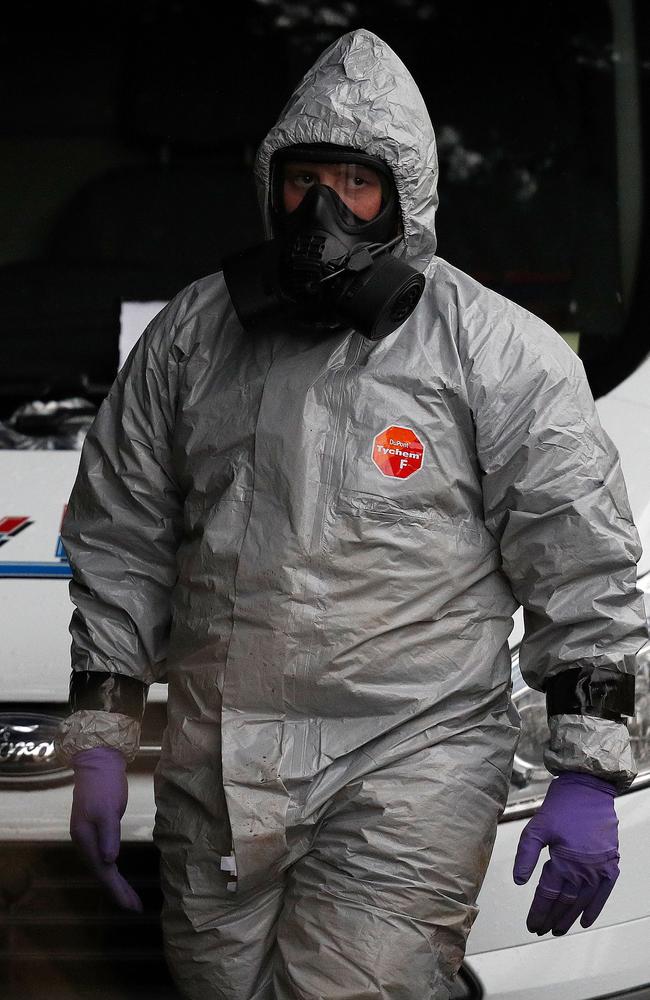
column 335, row 637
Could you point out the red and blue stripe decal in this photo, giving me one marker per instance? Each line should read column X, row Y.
column 12, row 525
column 34, row 570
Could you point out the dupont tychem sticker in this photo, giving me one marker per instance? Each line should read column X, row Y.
column 398, row 452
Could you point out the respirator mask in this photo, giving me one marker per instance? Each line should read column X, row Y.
column 327, row 267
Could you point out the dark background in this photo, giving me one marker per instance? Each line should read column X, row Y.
column 129, row 131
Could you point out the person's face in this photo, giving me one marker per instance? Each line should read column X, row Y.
column 358, row 186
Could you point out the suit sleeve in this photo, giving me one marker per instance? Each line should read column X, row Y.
column 121, row 534
column 555, row 499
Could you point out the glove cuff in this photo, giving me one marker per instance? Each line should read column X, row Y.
column 98, row 758
column 590, row 780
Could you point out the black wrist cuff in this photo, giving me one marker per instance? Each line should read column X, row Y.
column 573, row 692
column 97, row 691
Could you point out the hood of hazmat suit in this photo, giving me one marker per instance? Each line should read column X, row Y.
column 319, row 543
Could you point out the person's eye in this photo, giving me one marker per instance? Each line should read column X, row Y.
column 303, row 180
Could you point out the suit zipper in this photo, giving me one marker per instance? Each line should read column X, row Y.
column 346, row 368
column 354, row 351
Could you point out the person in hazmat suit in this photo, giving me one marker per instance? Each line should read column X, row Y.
column 318, row 490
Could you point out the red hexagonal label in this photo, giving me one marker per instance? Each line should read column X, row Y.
column 398, row 452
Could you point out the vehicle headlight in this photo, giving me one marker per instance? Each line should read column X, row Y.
column 530, row 779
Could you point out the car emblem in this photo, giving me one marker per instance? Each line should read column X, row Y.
column 27, row 747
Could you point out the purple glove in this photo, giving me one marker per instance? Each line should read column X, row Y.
column 98, row 804
column 578, row 822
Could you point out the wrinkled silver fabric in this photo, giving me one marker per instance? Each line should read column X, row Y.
column 86, row 729
column 322, row 624
column 595, row 746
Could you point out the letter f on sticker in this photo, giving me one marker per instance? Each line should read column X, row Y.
column 403, row 463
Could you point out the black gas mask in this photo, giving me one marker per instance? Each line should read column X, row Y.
column 326, row 269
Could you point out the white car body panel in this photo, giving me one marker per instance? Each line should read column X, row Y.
column 35, row 608
column 595, row 964
column 625, row 414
